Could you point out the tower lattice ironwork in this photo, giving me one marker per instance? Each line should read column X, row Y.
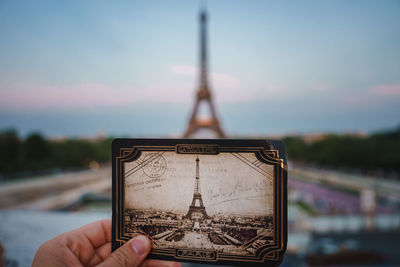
column 197, row 209
column 203, row 93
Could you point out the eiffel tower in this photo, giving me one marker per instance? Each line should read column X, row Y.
column 196, row 211
column 203, row 93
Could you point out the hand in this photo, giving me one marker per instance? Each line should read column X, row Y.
column 2, row 261
column 90, row 245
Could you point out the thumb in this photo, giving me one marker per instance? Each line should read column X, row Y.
column 132, row 254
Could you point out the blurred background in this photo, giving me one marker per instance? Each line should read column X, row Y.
column 322, row 76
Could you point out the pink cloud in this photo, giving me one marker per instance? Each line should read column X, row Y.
column 90, row 95
column 185, row 70
column 320, row 87
column 43, row 96
column 387, row 89
column 226, row 89
column 219, row 79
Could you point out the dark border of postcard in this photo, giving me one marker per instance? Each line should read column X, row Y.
column 270, row 152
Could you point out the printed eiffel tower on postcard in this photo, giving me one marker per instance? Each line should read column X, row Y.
column 197, row 211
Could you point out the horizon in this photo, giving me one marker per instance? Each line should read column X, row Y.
column 76, row 69
column 102, row 135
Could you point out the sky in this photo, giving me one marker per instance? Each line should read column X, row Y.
column 130, row 68
column 227, row 183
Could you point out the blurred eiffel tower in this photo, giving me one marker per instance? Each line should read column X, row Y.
column 203, row 94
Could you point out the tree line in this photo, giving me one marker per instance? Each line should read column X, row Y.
column 35, row 154
column 375, row 152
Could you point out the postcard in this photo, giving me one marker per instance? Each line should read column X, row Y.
column 214, row 201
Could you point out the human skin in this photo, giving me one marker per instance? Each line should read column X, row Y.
column 2, row 263
column 90, row 245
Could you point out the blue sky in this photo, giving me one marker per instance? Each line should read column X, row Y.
column 75, row 68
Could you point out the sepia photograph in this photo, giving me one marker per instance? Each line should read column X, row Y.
column 218, row 202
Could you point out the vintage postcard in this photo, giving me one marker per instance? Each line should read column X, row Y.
column 202, row 200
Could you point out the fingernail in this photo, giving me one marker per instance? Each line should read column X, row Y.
column 140, row 244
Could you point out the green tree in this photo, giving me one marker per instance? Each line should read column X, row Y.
column 37, row 153
column 10, row 151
